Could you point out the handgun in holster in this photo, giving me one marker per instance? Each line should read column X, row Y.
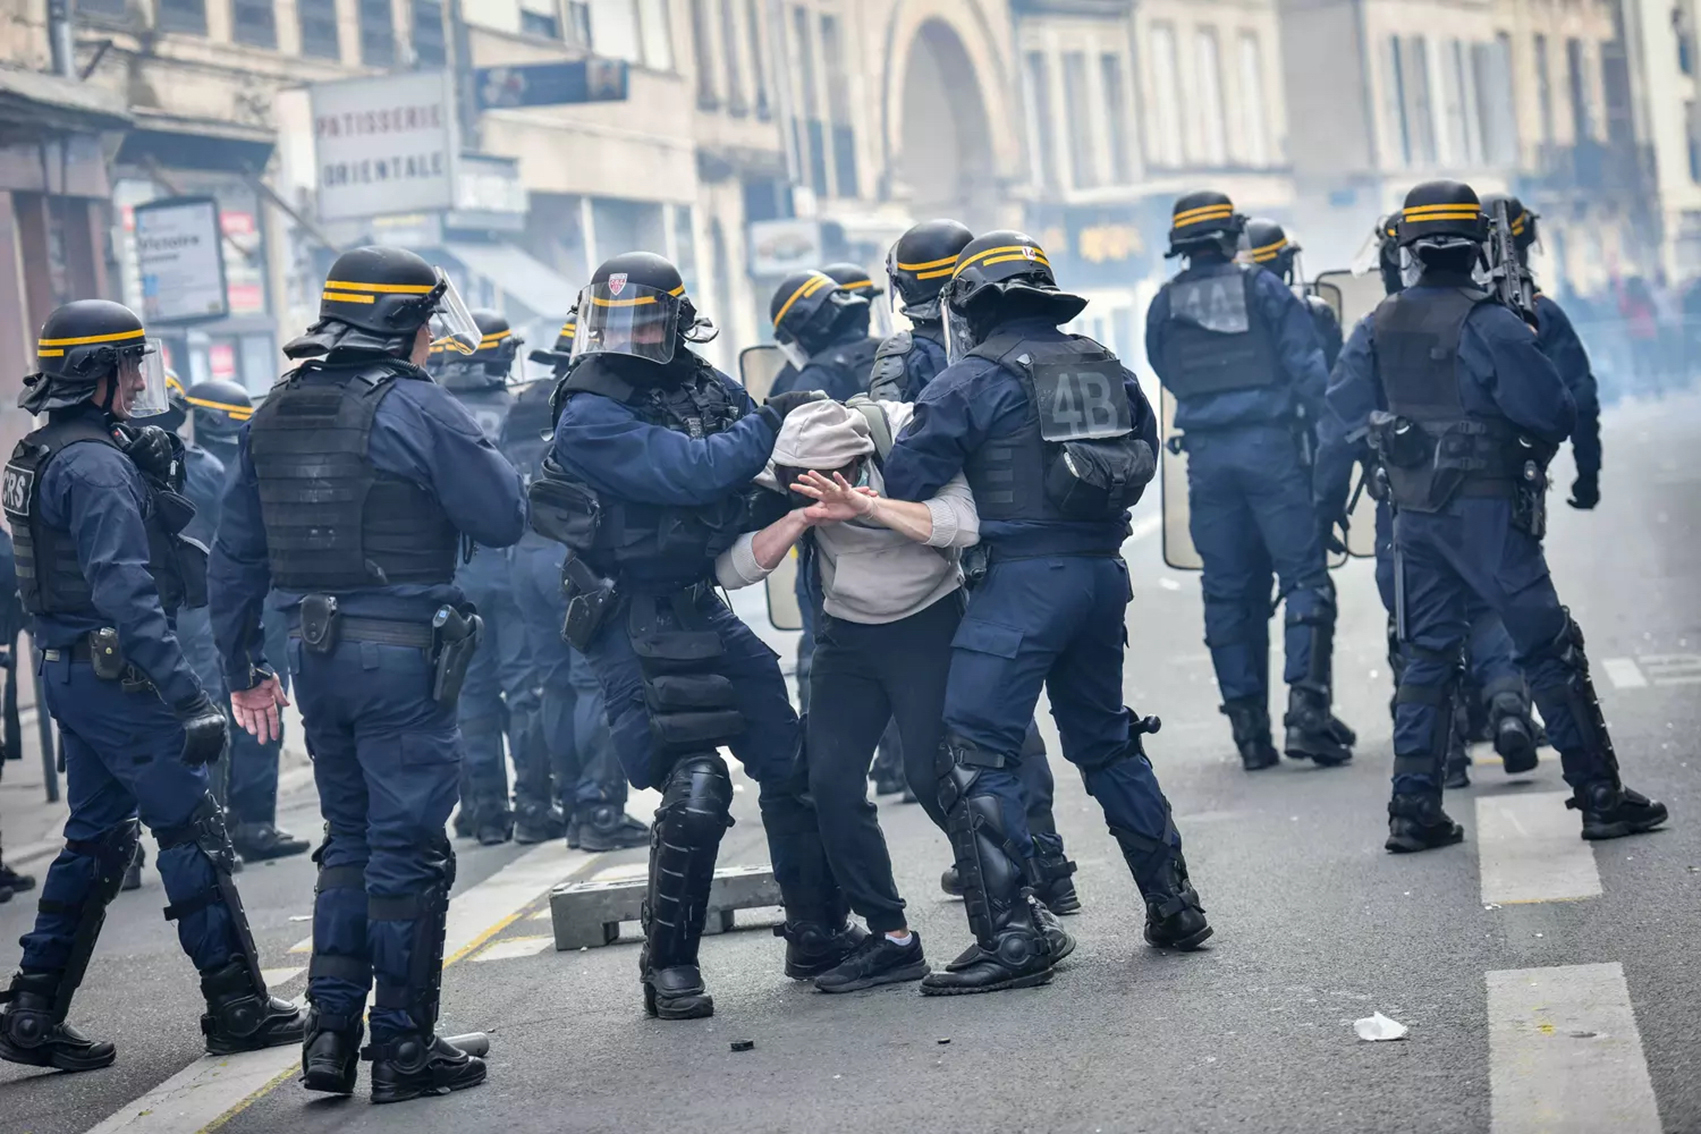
column 457, row 633
column 976, row 560
column 591, row 599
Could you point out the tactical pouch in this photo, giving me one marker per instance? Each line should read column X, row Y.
column 457, row 634
column 976, row 560
column 1097, row 480
column 104, row 654
column 319, row 621
column 591, row 599
column 692, row 708
column 563, row 510
column 1529, row 501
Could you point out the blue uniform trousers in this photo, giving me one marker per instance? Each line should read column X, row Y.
column 500, row 695
column 250, row 776
column 123, row 759
column 1465, row 554
column 575, row 720
column 387, row 760
column 1251, row 517
column 1054, row 623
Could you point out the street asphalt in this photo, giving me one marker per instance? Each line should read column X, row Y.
column 1547, row 985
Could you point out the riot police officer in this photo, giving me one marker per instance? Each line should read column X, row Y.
column 97, row 514
column 1238, row 352
column 1464, row 410
column 248, row 785
column 1057, row 442
column 501, row 690
column 823, row 329
column 1269, row 247
column 645, row 484
column 353, row 488
column 918, row 266
column 588, row 779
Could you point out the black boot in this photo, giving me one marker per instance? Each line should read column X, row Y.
column 330, row 1053
column 494, row 829
column 33, row 1030
column 694, row 814
column 1175, row 919
column 951, row 882
column 813, row 948
column 1457, row 772
column 133, row 876
column 605, row 827
column 1513, row 732
column 1249, row 717
column 573, row 831
column 259, row 842
column 538, row 823
column 1417, row 823
column 242, row 1016
column 1052, row 869
column 14, row 883
column 1313, row 732
column 1612, row 811
column 416, row 1064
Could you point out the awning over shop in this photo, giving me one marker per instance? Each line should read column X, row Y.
column 196, row 143
column 523, row 279
column 42, row 101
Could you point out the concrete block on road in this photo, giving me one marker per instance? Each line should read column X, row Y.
column 587, row 915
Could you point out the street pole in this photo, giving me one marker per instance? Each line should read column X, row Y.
column 59, row 38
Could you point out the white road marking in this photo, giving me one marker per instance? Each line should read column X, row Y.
column 1624, row 673
column 1671, row 669
column 512, row 947
column 275, row 977
column 305, row 945
column 1530, row 850
column 208, row 1091
column 1564, row 1053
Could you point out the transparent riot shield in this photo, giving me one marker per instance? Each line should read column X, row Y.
column 758, row 366
column 783, row 611
column 1179, row 551
column 1353, row 297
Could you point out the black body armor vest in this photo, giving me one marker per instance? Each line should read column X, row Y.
column 1431, row 447
column 333, row 521
column 50, row 577
column 1217, row 339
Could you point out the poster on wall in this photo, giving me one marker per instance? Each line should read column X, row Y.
column 180, row 259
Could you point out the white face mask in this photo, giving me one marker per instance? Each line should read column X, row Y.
column 795, row 354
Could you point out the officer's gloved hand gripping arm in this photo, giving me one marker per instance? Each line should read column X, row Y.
column 1343, row 430
column 238, row 579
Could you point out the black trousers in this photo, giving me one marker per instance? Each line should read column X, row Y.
column 862, row 677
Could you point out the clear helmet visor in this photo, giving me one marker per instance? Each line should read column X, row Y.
column 141, row 389
column 452, row 325
column 622, row 317
column 960, row 338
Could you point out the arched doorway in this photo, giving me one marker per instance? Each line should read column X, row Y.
column 946, row 164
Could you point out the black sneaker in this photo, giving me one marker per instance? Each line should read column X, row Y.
column 877, row 960
column 261, row 842
column 606, row 827
column 17, row 883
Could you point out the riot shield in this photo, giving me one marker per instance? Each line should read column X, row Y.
column 1352, row 296
column 783, row 611
column 758, row 366
column 1179, row 551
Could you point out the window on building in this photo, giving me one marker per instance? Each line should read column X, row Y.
column 808, row 129
column 1116, row 118
column 1472, row 96
column 684, row 250
column 1078, row 121
column 703, row 55
column 254, row 22
column 839, row 106
column 1453, row 103
column 1420, row 110
column 578, row 27
column 1254, row 125
column 1394, row 102
column 758, row 61
column 1577, row 79
column 1497, row 122
column 1211, row 141
column 1041, row 122
column 1544, row 89
column 377, row 33
column 543, row 24
column 102, row 7
column 429, row 47
column 1166, row 132
column 614, row 30
column 319, row 28
column 655, row 27
column 731, row 58
column 188, row 16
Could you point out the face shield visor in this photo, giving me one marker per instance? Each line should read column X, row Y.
column 622, row 317
column 795, row 354
column 960, row 337
column 140, row 389
column 452, row 324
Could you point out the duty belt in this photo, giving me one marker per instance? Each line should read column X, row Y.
column 83, row 650
column 381, row 631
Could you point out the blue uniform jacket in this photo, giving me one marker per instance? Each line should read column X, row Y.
column 1558, row 340
column 925, row 362
column 1502, row 373
column 1299, row 361
column 203, row 484
column 606, row 445
column 973, row 401
column 838, row 385
column 97, row 494
column 420, row 432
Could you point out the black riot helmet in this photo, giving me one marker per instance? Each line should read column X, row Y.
column 176, row 414
column 636, row 306
column 561, row 356
column 85, row 341
column 1000, row 276
column 376, row 299
column 220, row 409
column 1522, row 220
column 810, row 310
column 1439, row 214
column 854, row 279
column 1204, row 221
column 921, row 262
column 1268, row 246
column 489, row 366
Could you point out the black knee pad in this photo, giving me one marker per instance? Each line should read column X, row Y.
column 1443, row 698
column 958, row 765
column 205, row 830
column 696, row 806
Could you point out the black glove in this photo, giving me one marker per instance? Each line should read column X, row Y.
column 783, row 404
column 1332, row 528
column 1585, row 491
column 205, row 732
column 155, row 451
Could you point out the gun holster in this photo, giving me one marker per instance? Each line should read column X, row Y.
column 319, row 623
column 975, row 562
column 104, row 655
column 457, row 633
column 1529, row 501
column 591, row 600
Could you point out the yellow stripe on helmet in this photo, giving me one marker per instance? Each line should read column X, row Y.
column 641, row 301
column 346, row 297
column 493, row 338
column 854, row 284
column 51, row 353
column 1453, row 211
column 942, row 262
column 1008, row 252
column 89, row 340
column 238, row 413
column 815, row 282
column 1268, row 252
column 1220, row 211
column 381, row 288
